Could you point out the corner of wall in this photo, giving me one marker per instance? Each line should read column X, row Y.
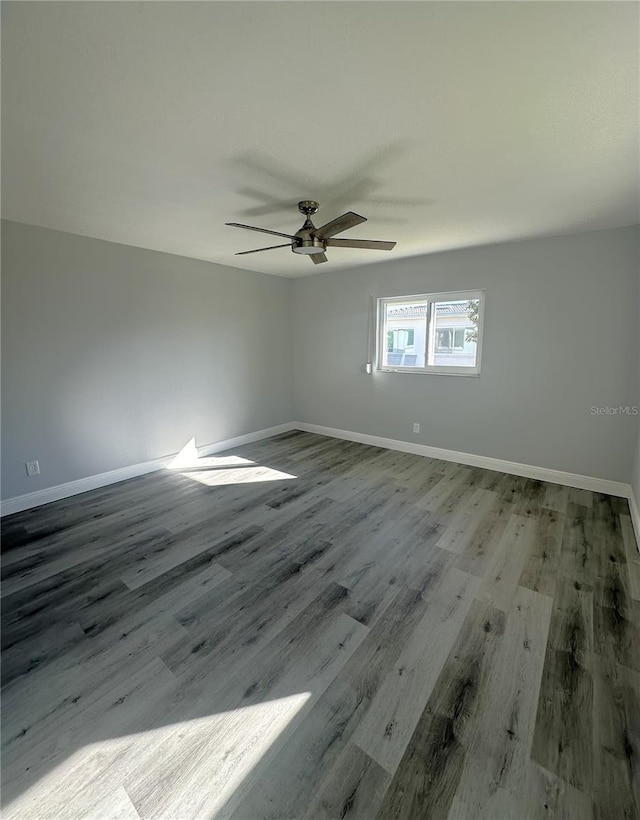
column 634, row 496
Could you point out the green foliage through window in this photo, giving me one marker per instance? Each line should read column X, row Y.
column 474, row 307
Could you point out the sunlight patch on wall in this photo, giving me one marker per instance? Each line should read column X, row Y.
column 188, row 457
column 191, row 768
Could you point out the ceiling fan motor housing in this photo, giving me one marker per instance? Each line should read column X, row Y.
column 305, row 241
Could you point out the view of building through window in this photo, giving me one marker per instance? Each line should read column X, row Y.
column 429, row 332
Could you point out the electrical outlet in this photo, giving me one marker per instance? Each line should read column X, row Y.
column 416, row 427
column 33, row 468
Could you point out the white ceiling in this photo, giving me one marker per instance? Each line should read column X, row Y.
column 446, row 124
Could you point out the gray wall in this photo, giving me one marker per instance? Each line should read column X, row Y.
column 561, row 335
column 114, row 355
column 635, row 475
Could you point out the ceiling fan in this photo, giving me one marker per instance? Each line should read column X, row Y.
column 314, row 241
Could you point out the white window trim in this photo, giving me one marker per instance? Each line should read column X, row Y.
column 441, row 370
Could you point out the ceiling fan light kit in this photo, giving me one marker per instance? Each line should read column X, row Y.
column 312, row 241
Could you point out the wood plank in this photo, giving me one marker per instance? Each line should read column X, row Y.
column 563, row 737
column 427, row 777
column 116, row 806
column 556, row 497
column 396, row 708
column 353, row 788
column 458, row 533
column 480, row 550
column 616, row 718
column 539, row 796
column 170, row 553
column 541, row 565
column 497, row 756
column 562, row 741
column 616, row 631
column 21, row 656
column 505, row 569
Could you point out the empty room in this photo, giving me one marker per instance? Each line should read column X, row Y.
column 320, row 410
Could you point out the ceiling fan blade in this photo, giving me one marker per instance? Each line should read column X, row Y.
column 341, row 223
column 373, row 244
column 260, row 230
column 270, row 248
column 316, row 258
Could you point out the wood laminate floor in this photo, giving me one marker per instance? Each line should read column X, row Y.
column 311, row 628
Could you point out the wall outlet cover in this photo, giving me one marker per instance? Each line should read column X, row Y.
column 33, row 468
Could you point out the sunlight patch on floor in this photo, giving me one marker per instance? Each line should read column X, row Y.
column 186, row 769
column 246, row 475
column 217, row 471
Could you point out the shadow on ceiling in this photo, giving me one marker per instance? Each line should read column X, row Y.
column 358, row 187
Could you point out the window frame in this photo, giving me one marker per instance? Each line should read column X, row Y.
column 430, row 298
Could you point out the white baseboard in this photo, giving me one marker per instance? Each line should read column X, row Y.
column 582, row 482
column 94, row 482
column 83, row 485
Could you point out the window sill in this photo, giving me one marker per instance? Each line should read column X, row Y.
column 418, row 371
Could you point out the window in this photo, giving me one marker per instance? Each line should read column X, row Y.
column 449, row 339
column 436, row 333
column 400, row 339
